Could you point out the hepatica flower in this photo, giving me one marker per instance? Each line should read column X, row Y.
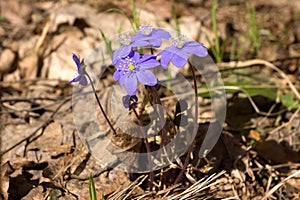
column 80, row 77
column 149, row 36
column 178, row 53
column 125, row 49
column 133, row 68
column 146, row 36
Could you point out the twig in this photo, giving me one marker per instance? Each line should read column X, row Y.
column 280, row 166
column 286, row 123
column 84, row 178
column 42, row 37
column 276, row 187
column 27, row 99
column 118, row 195
column 199, row 186
column 42, row 126
column 241, row 64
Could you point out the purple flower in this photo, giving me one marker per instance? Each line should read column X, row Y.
column 178, row 52
column 127, row 46
column 80, row 77
column 133, row 68
column 146, row 36
column 149, row 36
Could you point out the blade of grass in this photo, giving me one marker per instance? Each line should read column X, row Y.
column 107, row 43
column 122, row 12
column 92, row 189
column 136, row 20
column 253, row 28
column 215, row 30
column 177, row 28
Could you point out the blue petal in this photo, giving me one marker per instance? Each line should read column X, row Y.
column 195, row 48
column 148, row 64
column 147, row 61
column 154, row 39
column 178, row 51
column 83, row 80
column 155, row 42
column 140, row 42
column 135, row 56
column 166, row 57
column 76, row 79
column 130, row 84
column 178, row 61
column 139, row 36
column 146, row 57
column 161, row 33
column 121, row 52
column 117, row 75
column 121, row 80
column 77, row 61
column 147, row 77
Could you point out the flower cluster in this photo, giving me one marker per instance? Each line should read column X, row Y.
column 131, row 66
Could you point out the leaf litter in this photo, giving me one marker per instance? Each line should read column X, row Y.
column 42, row 156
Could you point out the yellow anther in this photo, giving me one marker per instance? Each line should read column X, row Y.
column 180, row 44
column 131, row 67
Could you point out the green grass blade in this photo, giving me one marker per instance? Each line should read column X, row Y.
column 177, row 28
column 92, row 189
column 107, row 43
column 136, row 19
column 122, row 13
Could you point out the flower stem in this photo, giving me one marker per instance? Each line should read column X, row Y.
column 147, row 148
column 195, row 128
column 100, row 105
column 156, row 100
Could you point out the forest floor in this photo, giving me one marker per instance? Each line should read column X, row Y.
column 258, row 153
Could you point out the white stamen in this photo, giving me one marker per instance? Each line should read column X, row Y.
column 125, row 39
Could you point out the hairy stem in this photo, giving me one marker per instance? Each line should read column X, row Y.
column 195, row 128
column 147, row 148
column 100, row 105
column 156, row 100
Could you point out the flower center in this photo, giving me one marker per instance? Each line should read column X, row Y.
column 131, row 66
column 146, row 30
column 179, row 41
column 125, row 39
column 180, row 44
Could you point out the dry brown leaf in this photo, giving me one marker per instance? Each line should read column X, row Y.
column 275, row 152
column 69, row 13
column 59, row 64
column 17, row 12
column 6, row 170
column 7, row 58
column 29, row 66
column 35, row 194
